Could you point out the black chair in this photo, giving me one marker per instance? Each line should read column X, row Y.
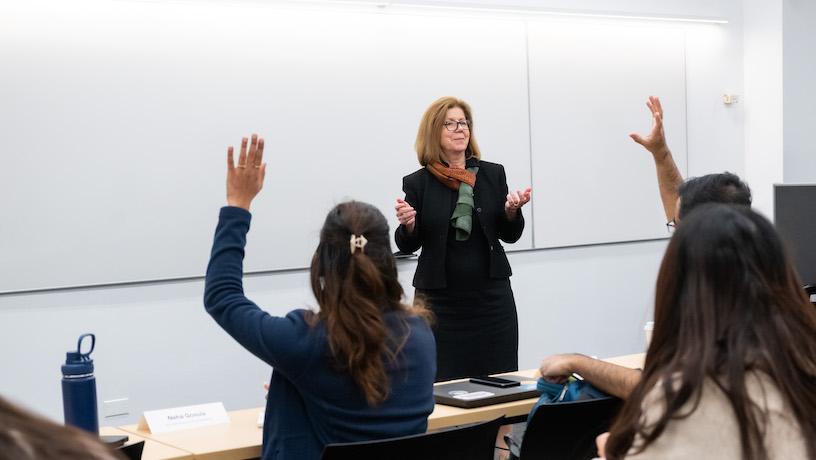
column 469, row 442
column 568, row 430
column 133, row 451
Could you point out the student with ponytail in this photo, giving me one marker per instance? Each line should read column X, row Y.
column 362, row 367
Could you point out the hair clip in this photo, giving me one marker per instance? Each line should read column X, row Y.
column 357, row 242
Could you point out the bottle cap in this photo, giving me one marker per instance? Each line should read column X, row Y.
column 78, row 363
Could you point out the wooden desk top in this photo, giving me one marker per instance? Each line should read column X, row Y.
column 153, row 450
column 241, row 438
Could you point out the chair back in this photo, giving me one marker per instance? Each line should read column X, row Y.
column 132, row 451
column 472, row 442
column 568, row 429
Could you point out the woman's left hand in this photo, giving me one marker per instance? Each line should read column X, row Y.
column 515, row 200
column 245, row 179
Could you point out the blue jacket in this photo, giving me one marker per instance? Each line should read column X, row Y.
column 310, row 403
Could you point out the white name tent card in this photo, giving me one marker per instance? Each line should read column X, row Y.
column 182, row 418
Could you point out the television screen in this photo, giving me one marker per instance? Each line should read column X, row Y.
column 795, row 219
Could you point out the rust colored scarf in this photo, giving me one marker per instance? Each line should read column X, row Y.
column 451, row 177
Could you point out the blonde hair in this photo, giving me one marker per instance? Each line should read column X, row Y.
column 428, row 147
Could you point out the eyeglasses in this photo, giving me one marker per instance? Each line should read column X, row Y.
column 671, row 226
column 454, row 125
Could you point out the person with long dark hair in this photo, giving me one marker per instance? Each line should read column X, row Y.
column 362, row 366
column 730, row 371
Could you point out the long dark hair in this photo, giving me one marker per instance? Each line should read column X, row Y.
column 353, row 291
column 728, row 304
column 24, row 435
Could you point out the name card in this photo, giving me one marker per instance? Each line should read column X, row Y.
column 182, row 418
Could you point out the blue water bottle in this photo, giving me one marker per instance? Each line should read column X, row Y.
column 79, row 388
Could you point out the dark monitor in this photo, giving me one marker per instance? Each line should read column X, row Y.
column 795, row 219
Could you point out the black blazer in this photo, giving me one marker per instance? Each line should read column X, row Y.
column 434, row 205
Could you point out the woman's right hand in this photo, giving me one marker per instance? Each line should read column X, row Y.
column 406, row 214
column 245, row 179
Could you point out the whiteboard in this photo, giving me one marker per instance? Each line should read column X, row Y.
column 115, row 119
column 588, row 87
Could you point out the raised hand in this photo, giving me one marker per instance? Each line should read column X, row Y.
column 655, row 141
column 406, row 214
column 245, row 179
column 515, row 200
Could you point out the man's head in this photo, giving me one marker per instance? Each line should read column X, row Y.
column 726, row 188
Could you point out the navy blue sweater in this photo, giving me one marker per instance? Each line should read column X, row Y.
column 310, row 402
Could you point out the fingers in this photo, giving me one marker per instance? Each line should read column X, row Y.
column 526, row 195
column 638, row 138
column 514, row 199
column 657, row 104
column 406, row 216
column 259, row 153
column 242, row 156
column 230, row 161
column 253, row 151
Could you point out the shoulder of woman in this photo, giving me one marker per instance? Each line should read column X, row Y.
column 489, row 166
column 415, row 176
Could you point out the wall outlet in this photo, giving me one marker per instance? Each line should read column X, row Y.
column 115, row 407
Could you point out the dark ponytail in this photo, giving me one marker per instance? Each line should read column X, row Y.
column 354, row 289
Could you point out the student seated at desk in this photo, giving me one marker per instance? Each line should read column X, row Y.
column 26, row 436
column 362, row 367
column 679, row 198
column 731, row 369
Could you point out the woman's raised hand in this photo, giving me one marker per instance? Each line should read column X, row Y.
column 406, row 214
column 245, row 179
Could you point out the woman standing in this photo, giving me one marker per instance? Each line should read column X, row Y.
column 457, row 208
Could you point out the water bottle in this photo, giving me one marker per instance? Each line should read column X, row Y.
column 79, row 388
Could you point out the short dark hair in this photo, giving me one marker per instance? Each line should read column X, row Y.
column 726, row 188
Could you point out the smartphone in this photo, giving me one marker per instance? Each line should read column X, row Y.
column 495, row 382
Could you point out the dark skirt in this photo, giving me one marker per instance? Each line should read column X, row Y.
column 476, row 330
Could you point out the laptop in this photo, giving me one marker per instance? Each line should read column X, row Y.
column 468, row 395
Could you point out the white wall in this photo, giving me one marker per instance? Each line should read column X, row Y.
column 799, row 48
column 157, row 347
column 763, row 100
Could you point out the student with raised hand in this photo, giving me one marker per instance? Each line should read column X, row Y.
column 27, row 436
column 359, row 368
column 669, row 178
column 679, row 199
column 731, row 369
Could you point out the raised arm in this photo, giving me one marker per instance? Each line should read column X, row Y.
column 669, row 178
column 613, row 379
column 278, row 341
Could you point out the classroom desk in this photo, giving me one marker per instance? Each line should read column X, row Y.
column 447, row 416
column 153, row 450
column 241, row 438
